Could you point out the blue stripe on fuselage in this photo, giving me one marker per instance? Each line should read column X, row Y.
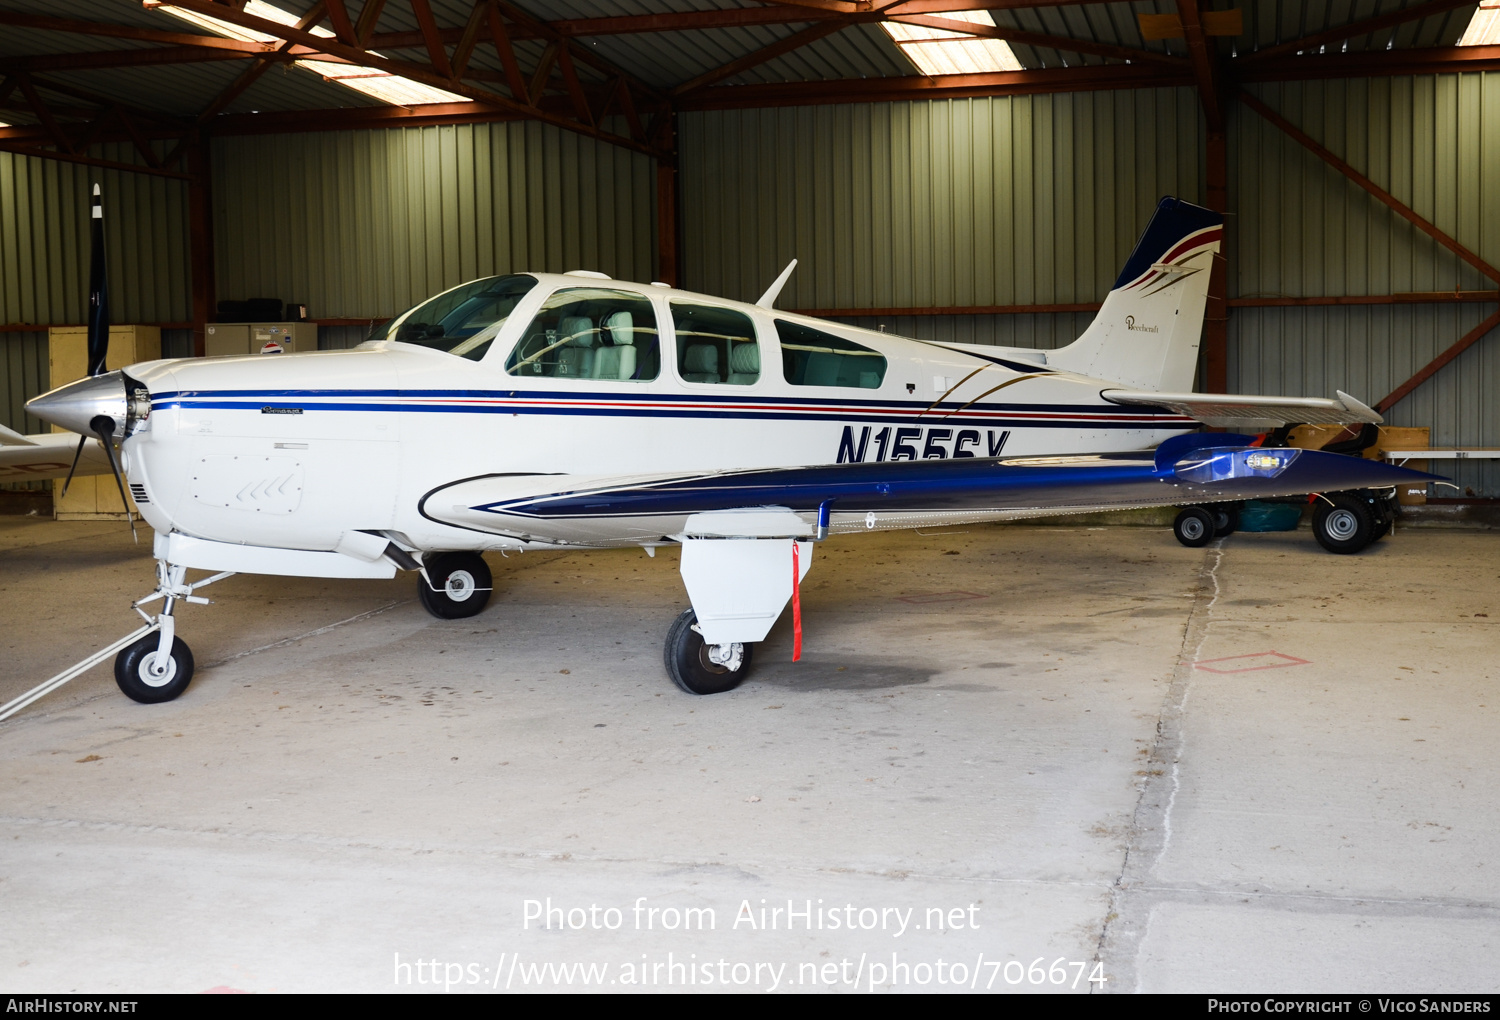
column 554, row 403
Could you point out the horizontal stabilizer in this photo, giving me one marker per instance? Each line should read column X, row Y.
column 10, row 437
column 49, row 455
column 1228, row 410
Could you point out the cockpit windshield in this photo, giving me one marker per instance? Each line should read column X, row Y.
column 461, row 321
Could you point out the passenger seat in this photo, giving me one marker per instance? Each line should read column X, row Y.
column 700, row 363
column 744, row 364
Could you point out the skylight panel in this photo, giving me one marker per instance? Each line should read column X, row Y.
column 388, row 88
column 1484, row 27
column 937, row 51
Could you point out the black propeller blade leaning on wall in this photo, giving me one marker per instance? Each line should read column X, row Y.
column 98, row 290
column 98, row 337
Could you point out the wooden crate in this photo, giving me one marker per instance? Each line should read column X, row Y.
column 1314, row 437
column 94, row 497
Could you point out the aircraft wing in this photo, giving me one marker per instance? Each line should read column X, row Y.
column 1227, row 410
column 47, row 455
column 1194, row 468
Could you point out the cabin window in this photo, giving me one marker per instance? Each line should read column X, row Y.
column 715, row 345
column 462, row 321
column 810, row 357
column 590, row 333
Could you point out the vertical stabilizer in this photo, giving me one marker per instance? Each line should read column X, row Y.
column 1147, row 333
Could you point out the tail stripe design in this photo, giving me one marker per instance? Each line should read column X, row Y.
column 1181, row 252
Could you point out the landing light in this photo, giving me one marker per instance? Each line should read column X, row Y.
column 1219, row 465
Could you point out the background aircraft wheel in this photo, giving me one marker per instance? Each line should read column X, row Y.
column 133, row 671
column 688, row 663
column 1226, row 520
column 462, row 580
column 1346, row 525
column 1194, row 527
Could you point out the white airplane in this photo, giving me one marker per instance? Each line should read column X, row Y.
column 564, row 411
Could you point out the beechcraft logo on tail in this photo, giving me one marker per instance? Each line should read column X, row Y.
column 1130, row 324
column 918, row 444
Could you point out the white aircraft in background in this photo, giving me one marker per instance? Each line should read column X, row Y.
column 542, row 411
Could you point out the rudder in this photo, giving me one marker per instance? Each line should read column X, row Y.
column 1148, row 330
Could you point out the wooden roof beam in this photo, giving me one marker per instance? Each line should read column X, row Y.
column 38, row 107
column 1429, row 370
column 154, row 57
column 1384, row 197
column 413, row 71
column 582, row 54
column 1204, row 58
column 1371, row 64
column 213, row 42
column 435, row 52
column 779, row 48
column 1090, row 78
column 250, row 76
column 365, row 27
column 1056, row 42
column 338, row 18
column 1355, row 28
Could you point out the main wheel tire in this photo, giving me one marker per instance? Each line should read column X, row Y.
column 1194, row 527
column 1226, row 520
column 462, row 582
column 1344, row 523
column 688, row 663
column 133, row 671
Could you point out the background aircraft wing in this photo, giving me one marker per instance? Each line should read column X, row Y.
column 1193, row 468
column 48, row 455
column 1229, row 410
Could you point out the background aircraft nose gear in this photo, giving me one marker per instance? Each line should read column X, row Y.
column 700, row 668
column 1194, row 527
column 1198, row 525
column 454, row 585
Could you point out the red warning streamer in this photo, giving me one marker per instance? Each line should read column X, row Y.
column 796, row 601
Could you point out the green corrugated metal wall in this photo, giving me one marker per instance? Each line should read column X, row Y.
column 1010, row 200
column 44, row 241
column 366, row 223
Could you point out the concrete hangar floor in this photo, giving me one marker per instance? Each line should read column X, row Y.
column 997, row 750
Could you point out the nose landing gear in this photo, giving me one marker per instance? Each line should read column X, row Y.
column 159, row 666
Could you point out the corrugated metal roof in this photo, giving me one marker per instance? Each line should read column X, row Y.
column 667, row 59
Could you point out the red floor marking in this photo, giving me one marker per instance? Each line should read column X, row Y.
column 1278, row 660
column 941, row 596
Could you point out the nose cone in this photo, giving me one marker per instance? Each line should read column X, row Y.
column 76, row 405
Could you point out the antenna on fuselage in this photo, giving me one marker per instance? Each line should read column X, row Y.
column 769, row 297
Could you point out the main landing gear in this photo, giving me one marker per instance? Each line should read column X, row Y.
column 1346, row 522
column 454, row 585
column 698, row 667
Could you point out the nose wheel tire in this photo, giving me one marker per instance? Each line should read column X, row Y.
column 698, row 668
column 1344, row 523
column 135, row 676
column 460, row 585
column 1194, row 527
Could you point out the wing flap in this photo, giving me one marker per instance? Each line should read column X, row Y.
column 1230, row 410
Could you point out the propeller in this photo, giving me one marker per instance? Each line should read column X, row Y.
column 98, row 347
